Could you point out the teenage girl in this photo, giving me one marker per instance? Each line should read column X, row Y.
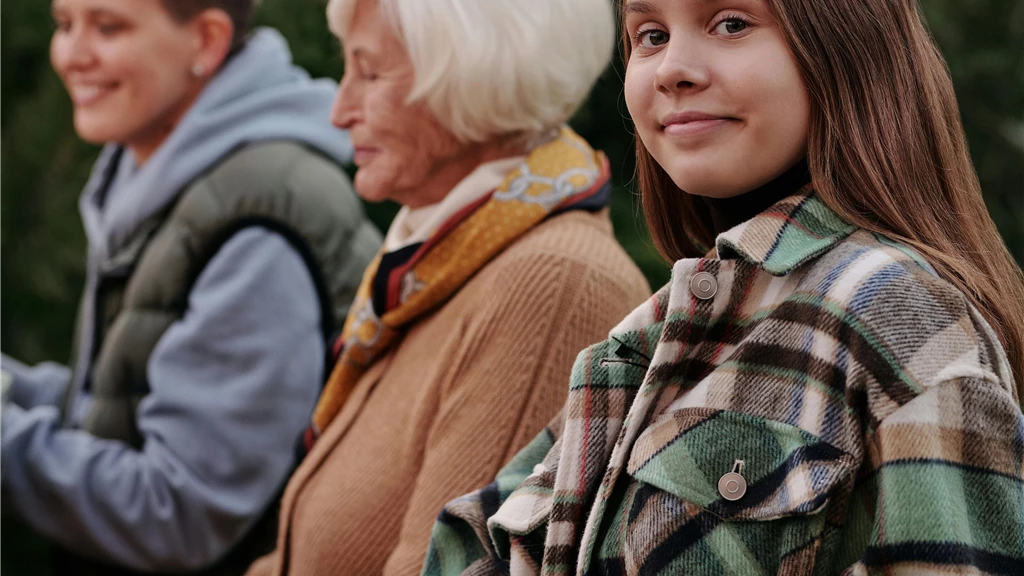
column 830, row 383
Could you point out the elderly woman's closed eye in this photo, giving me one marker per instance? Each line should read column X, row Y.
column 500, row 266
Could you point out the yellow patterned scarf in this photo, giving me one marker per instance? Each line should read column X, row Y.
column 402, row 286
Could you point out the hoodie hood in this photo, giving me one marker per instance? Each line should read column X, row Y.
column 258, row 95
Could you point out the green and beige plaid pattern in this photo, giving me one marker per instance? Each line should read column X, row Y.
column 867, row 407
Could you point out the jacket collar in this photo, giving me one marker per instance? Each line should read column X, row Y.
column 785, row 236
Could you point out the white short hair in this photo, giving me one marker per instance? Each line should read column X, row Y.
column 489, row 68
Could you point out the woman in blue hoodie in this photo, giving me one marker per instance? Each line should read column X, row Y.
column 225, row 245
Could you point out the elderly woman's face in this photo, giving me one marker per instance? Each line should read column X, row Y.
column 402, row 152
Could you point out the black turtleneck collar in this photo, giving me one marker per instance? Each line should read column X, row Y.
column 727, row 213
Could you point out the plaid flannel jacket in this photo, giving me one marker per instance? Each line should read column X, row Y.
column 867, row 407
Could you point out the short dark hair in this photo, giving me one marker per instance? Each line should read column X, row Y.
column 240, row 11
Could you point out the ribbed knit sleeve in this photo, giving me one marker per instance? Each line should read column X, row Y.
column 508, row 379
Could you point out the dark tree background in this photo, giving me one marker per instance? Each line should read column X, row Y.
column 44, row 166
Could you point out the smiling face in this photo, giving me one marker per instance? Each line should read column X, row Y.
column 403, row 153
column 126, row 66
column 715, row 93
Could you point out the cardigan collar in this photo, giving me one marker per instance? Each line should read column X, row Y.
column 787, row 235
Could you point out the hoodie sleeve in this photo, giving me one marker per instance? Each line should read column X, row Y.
column 232, row 387
column 40, row 385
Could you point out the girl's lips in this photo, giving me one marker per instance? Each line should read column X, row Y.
column 692, row 122
column 89, row 94
column 695, row 127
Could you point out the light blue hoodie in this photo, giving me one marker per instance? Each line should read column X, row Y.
column 232, row 383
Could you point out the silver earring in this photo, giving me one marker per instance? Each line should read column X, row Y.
column 198, row 70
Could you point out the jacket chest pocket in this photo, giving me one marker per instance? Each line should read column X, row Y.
column 719, row 491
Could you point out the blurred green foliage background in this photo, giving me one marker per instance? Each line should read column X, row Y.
column 43, row 166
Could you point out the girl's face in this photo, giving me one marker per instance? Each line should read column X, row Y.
column 126, row 66
column 715, row 93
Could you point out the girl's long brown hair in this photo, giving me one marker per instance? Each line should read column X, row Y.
column 886, row 150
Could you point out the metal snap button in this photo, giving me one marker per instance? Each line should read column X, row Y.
column 732, row 486
column 703, row 285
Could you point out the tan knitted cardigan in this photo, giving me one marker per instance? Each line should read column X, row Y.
column 467, row 387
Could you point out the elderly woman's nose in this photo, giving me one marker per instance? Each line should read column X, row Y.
column 345, row 110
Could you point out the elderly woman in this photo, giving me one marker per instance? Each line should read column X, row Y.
column 499, row 267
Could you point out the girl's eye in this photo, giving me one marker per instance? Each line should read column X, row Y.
column 731, row 26
column 62, row 25
column 651, row 38
column 109, row 28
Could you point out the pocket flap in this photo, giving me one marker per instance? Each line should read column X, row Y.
column 788, row 471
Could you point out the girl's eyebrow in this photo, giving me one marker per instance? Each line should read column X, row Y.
column 92, row 13
column 645, row 7
column 639, row 7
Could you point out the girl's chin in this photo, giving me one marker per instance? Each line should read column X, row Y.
column 705, row 179
column 103, row 124
column 95, row 132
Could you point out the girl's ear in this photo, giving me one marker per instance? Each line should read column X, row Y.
column 214, row 34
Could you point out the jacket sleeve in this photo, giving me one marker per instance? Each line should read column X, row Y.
column 511, row 372
column 232, row 387
column 40, row 385
column 946, row 493
column 461, row 542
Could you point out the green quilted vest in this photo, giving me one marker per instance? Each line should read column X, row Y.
column 144, row 288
